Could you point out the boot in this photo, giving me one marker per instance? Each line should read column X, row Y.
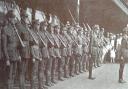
column 66, row 72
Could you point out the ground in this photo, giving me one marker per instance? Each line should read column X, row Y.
column 106, row 78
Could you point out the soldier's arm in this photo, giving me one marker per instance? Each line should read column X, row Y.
column 123, row 43
column 90, row 44
column 4, row 43
column 31, row 40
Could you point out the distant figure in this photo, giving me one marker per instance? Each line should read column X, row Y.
column 112, row 55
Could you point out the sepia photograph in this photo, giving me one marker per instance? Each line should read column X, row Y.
column 63, row 44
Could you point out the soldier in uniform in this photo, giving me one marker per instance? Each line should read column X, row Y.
column 93, row 53
column 78, row 63
column 24, row 51
column 95, row 45
column 10, row 47
column 51, row 45
column 123, row 54
column 77, row 51
column 69, row 51
column 57, row 52
column 35, row 44
column 45, row 53
column 64, row 51
column 100, row 48
column 85, row 47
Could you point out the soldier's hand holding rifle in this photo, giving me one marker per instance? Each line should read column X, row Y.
column 33, row 60
column 8, row 62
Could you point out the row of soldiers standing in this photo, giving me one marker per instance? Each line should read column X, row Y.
column 43, row 52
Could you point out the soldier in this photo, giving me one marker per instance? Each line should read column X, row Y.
column 36, row 56
column 123, row 54
column 45, row 53
column 64, row 51
column 51, row 44
column 69, row 50
column 93, row 53
column 77, row 51
column 78, row 62
column 85, row 47
column 57, row 52
column 10, row 47
column 24, row 51
column 100, row 47
column 95, row 45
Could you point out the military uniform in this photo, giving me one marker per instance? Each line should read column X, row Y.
column 100, row 50
column 24, row 52
column 58, row 53
column 85, row 47
column 123, row 56
column 95, row 45
column 71, row 49
column 36, row 73
column 45, row 53
column 69, row 53
column 93, row 53
column 78, row 62
column 52, row 54
column 10, row 49
column 64, row 52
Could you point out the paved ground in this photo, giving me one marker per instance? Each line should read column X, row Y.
column 106, row 78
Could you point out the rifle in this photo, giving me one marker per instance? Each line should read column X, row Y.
column 61, row 41
column 89, row 27
column 55, row 41
column 71, row 16
column 41, row 39
column 47, row 35
column 84, row 25
column 16, row 31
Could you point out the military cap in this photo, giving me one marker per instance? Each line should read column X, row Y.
column 44, row 23
column 68, row 23
column 120, row 34
column 36, row 22
column 85, row 29
column 96, row 27
column 50, row 25
column 102, row 29
column 77, row 25
column 24, row 14
column 10, row 14
column 125, row 30
column 57, row 26
column 64, row 28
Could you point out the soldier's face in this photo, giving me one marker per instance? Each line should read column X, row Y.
column 52, row 29
column 65, row 32
column 57, row 30
column 25, row 20
column 12, row 20
column 37, row 26
column 44, row 27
